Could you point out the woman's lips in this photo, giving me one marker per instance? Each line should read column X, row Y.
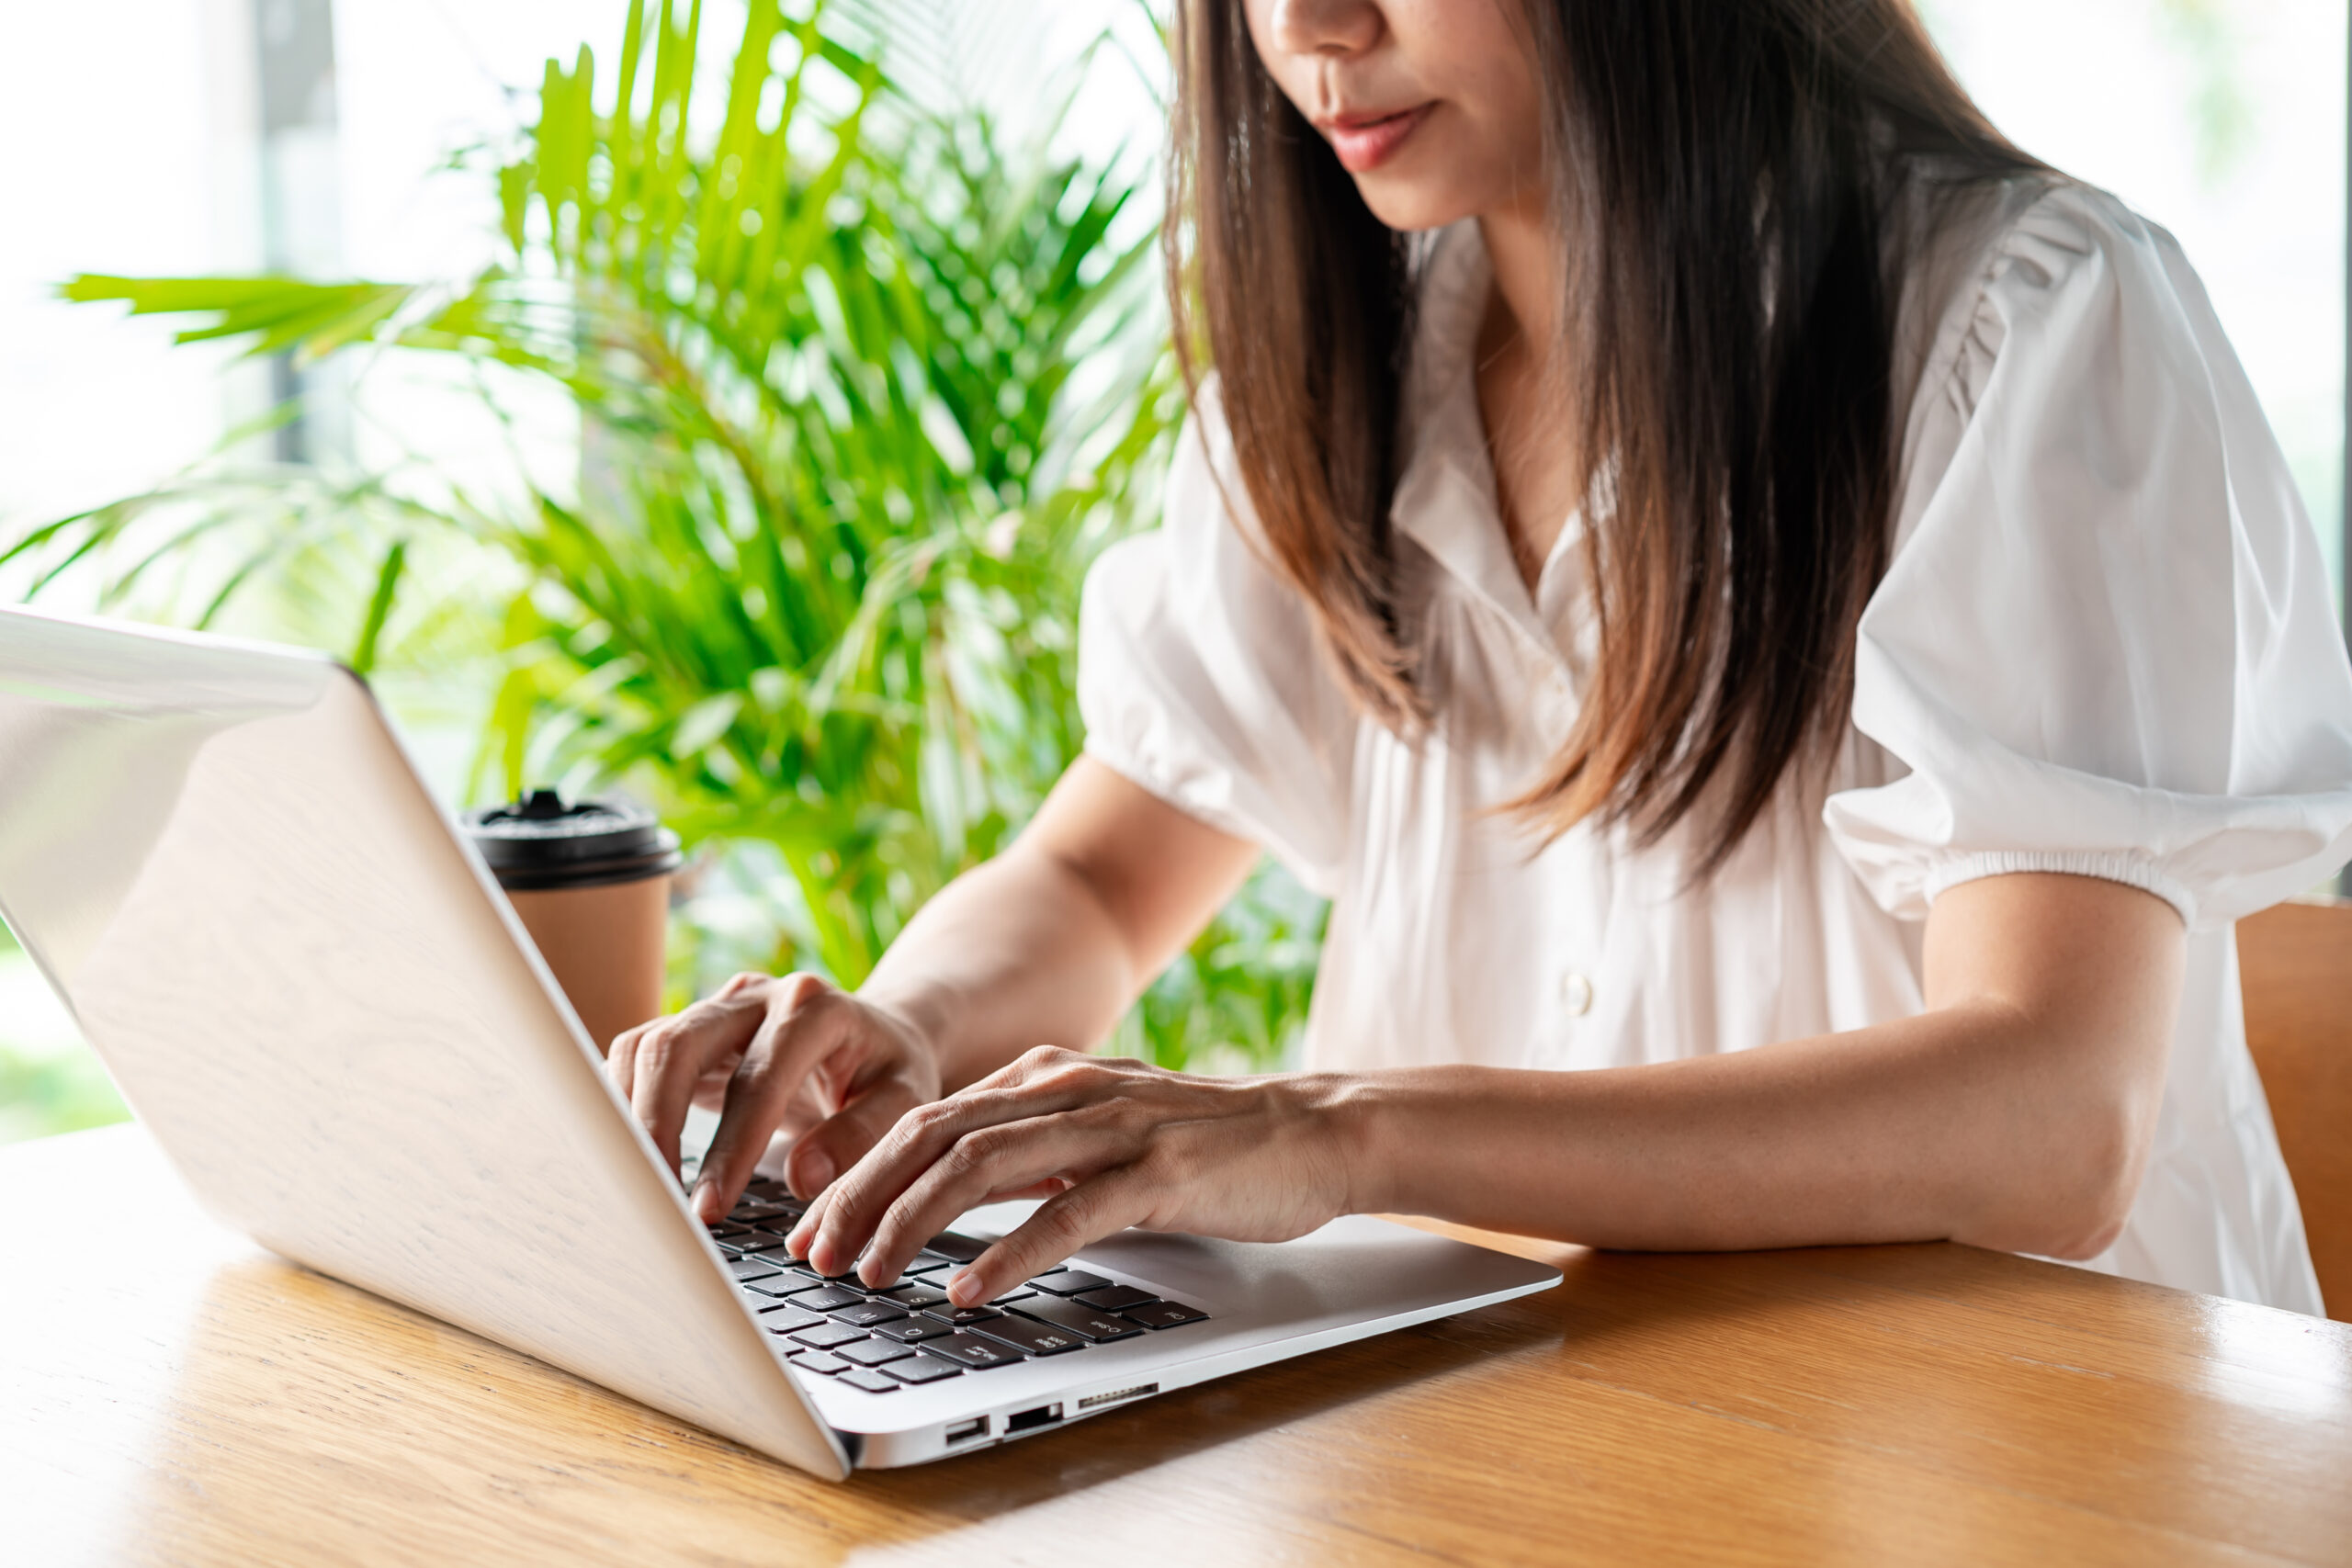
column 1366, row 142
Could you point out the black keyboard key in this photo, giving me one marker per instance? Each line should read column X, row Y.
column 1084, row 1320
column 823, row 1298
column 958, row 1248
column 872, row 1382
column 829, row 1335
column 1165, row 1315
column 961, row 1316
column 818, row 1362
column 751, row 1213
column 776, row 1285
column 1029, row 1336
column 873, row 1352
column 1069, row 1281
column 750, row 1269
column 911, row 1330
column 924, row 1263
column 788, row 1320
column 915, row 1297
column 756, row 1241
column 1116, row 1297
column 725, row 1228
column 921, row 1368
column 1010, row 1297
column 866, row 1315
column 971, row 1351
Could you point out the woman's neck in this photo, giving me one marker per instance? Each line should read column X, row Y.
column 1528, row 436
column 1524, row 252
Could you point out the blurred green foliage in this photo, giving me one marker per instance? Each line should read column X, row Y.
column 49, row 1080
column 52, row 1094
column 2219, row 106
column 863, row 387
column 42, row 1094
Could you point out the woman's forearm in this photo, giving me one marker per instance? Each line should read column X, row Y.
column 1903, row 1133
column 2015, row 1112
column 1014, row 954
column 2015, row 1115
column 1049, row 943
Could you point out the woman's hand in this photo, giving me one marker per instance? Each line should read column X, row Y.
column 1108, row 1143
column 797, row 1055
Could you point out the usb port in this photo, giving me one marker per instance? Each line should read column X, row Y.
column 1030, row 1420
column 964, row 1431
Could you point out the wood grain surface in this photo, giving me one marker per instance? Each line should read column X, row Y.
column 170, row 1394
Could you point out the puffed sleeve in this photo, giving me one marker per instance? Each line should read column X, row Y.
column 2104, row 644
column 1198, row 675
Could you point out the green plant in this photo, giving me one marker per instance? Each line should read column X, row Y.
column 862, row 390
column 2207, row 36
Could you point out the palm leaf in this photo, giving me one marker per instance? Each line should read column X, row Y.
column 838, row 490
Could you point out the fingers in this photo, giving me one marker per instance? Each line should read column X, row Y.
column 805, row 1020
column 656, row 1066
column 1063, row 1224
column 1053, row 1117
column 845, row 1216
column 839, row 1141
column 1009, row 1156
column 1111, row 1143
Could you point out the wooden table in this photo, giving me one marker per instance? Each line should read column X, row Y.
column 168, row 1393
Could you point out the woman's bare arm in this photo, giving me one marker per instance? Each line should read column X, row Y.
column 1050, row 942
column 2015, row 1112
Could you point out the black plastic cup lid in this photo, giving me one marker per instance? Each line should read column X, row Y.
column 539, row 842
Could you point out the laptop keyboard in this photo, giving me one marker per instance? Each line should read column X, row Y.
column 888, row 1338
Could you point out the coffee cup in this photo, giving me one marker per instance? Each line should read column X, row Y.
column 591, row 882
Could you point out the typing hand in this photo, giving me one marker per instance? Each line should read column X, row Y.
column 1108, row 1143
column 796, row 1054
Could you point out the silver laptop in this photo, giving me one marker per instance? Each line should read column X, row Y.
column 309, row 989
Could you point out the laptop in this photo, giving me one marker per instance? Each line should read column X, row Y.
column 310, row 990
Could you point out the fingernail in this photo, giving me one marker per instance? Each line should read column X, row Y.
column 964, row 1287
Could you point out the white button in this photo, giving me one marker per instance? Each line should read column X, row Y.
column 1575, row 995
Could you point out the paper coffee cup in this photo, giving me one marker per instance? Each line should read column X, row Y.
column 590, row 881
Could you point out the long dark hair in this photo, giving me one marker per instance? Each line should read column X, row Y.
column 1730, row 177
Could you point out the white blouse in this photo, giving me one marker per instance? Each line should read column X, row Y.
column 2104, row 645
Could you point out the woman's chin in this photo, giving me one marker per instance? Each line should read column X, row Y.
column 1409, row 205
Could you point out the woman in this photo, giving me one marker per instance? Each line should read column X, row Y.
column 1738, row 583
